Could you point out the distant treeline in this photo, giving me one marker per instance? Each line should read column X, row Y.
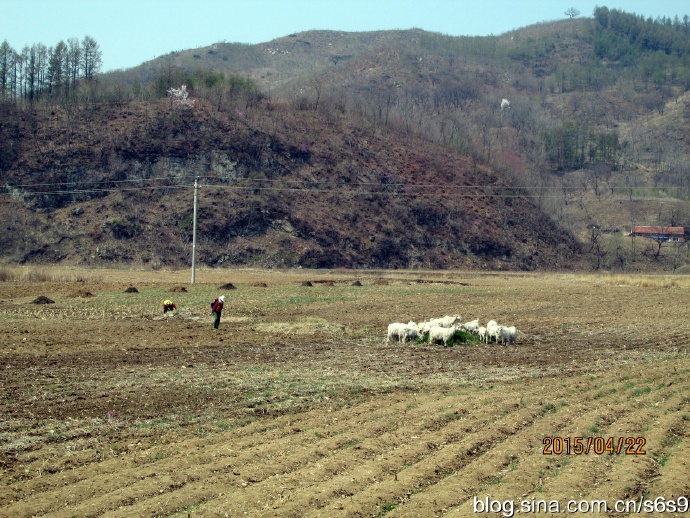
column 629, row 35
column 659, row 50
column 68, row 71
column 54, row 71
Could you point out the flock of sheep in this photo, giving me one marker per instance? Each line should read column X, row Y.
column 442, row 330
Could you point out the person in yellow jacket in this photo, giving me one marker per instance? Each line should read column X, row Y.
column 168, row 306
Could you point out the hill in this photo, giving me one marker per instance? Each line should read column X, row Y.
column 381, row 149
column 117, row 188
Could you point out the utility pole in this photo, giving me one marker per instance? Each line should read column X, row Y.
column 196, row 203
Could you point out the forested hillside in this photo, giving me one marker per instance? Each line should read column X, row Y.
column 537, row 148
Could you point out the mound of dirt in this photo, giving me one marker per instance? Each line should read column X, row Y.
column 131, row 289
column 42, row 299
column 227, row 286
column 306, row 283
column 178, row 289
column 260, row 285
column 356, row 283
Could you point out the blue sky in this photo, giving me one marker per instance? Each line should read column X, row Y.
column 130, row 32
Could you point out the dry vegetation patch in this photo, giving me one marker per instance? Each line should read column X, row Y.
column 297, row 406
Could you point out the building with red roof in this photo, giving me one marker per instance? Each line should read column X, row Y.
column 659, row 233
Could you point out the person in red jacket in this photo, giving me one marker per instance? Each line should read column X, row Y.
column 217, row 308
column 168, row 306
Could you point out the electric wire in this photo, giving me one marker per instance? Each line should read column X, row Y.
column 334, row 192
column 308, row 186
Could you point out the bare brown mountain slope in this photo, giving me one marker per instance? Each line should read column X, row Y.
column 279, row 62
column 280, row 187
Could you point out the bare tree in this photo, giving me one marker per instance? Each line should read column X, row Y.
column 596, row 174
column 571, row 12
column 633, row 219
column 660, row 239
column 31, row 72
column 596, row 248
column 316, row 85
column 72, row 63
column 91, row 57
column 6, row 58
column 15, row 85
column 56, row 68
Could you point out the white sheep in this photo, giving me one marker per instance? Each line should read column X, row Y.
column 424, row 327
column 402, row 332
column 505, row 103
column 434, row 322
column 410, row 332
column 395, row 331
column 443, row 334
column 494, row 333
column 452, row 321
column 481, row 331
column 493, row 330
column 447, row 321
column 508, row 334
column 471, row 326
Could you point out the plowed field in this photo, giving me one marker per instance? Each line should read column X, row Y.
column 297, row 406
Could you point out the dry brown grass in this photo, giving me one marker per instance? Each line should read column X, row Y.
column 650, row 281
column 37, row 274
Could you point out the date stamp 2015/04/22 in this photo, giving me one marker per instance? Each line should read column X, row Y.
column 596, row 445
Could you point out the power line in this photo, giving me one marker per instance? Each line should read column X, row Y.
column 332, row 191
column 389, row 189
column 279, row 180
column 88, row 182
column 95, row 190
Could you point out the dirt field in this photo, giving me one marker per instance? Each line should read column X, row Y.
column 296, row 406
